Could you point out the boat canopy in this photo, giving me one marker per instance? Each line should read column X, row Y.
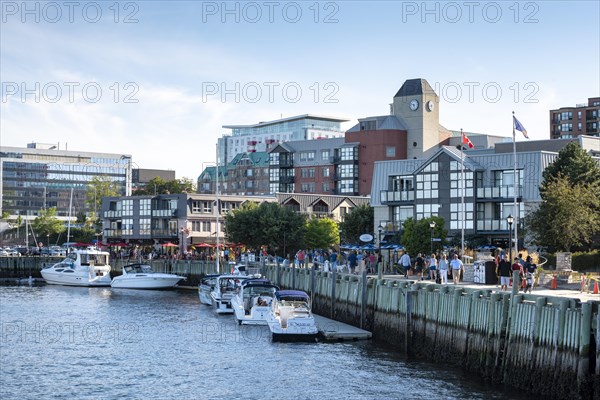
column 260, row 285
column 257, row 281
column 291, row 295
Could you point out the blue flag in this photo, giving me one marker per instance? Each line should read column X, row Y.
column 518, row 126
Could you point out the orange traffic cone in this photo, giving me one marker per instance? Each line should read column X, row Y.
column 596, row 287
column 554, row 284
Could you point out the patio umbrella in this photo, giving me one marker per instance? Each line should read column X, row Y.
column 203, row 245
column 169, row 244
column 82, row 244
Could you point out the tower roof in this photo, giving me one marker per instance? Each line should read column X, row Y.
column 413, row 87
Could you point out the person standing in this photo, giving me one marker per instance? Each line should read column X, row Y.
column 419, row 265
column 432, row 267
column 405, row 262
column 443, row 270
column 517, row 266
column 457, row 267
column 352, row 261
column 504, row 271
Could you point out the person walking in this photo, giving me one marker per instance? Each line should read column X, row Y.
column 432, row 267
column 517, row 266
column 443, row 270
column 504, row 272
column 457, row 267
column 419, row 265
column 352, row 261
column 405, row 262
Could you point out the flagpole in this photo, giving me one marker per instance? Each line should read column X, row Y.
column 217, row 270
column 462, row 196
column 516, row 180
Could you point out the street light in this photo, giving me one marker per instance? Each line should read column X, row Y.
column 379, row 266
column 48, row 239
column 432, row 227
column 510, row 221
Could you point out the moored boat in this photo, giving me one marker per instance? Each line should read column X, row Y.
column 141, row 276
column 206, row 286
column 253, row 302
column 291, row 317
column 225, row 288
column 87, row 267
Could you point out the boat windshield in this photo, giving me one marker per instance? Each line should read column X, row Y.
column 96, row 259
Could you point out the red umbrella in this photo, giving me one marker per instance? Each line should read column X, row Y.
column 203, row 245
column 82, row 244
column 169, row 244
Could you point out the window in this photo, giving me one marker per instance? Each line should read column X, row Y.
column 349, row 153
column 145, row 206
column 401, row 213
column 326, row 187
column 127, row 207
column 127, row 227
column 145, row 227
column 249, row 172
column 456, row 216
column 325, row 155
column 390, row 151
column 427, row 210
column 307, row 156
column 307, row 187
column 456, row 184
column 326, row 172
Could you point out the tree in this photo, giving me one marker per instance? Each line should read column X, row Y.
column 568, row 215
column 268, row 224
column 5, row 214
column 416, row 237
column 158, row 185
column 321, row 233
column 576, row 165
column 99, row 187
column 358, row 221
column 47, row 223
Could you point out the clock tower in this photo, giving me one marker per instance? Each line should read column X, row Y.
column 415, row 104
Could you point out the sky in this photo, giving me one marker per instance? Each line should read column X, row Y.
column 158, row 80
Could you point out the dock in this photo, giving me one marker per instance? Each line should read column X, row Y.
column 335, row 330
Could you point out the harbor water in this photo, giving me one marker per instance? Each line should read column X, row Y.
column 100, row 343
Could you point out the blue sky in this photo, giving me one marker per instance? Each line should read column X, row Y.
column 154, row 72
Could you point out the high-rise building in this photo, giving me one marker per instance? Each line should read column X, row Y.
column 569, row 122
column 42, row 176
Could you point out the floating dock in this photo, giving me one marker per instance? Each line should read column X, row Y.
column 335, row 330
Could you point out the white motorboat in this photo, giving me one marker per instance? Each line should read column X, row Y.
column 87, row 267
column 253, row 301
column 291, row 317
column 225, row 288
column 206, row 286
column 141, row 276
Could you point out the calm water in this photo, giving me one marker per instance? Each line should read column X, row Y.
column 66, row 343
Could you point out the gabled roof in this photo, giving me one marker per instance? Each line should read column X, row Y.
column 332, row 201
column 414, row 87
column 382, row 122
column 282, row 147
column 454, row 153
column 257, row 159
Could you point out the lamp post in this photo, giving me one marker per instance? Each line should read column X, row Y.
column 48, row 239
column 431, row 227
column 510, row 221
column 379, row 266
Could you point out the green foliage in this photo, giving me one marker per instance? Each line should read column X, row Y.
column 99, row 187
column 568, row 216
column 358, row 221
column 5, row 215
column 321, row 233
column 268, row 224
column 47, row 223
column 575, row 164
column 158, row 185
column 416, row 237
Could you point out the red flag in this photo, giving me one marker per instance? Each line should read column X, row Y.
column 467, row 141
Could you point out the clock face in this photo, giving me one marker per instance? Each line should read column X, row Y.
column 430, row 105
column 414, row 105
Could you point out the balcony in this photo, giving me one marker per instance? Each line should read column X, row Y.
column 286, row 163
column 164, row 213
column 391, row 227
column 334, row 159
column 286, row 179
column 389, row 196
column 113, row 214
column 498, row 192
column 110, row 233
column 492, row 225
column 164, row 233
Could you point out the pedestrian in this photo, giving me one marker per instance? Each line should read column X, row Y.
column 419, row 264
column 443, row 270
column 405, row 262
column 457, row 267
column 504, row 271
column 333, row 259
column 352, row 261
column 300, row 256
column 432, row 267
column 516, row 266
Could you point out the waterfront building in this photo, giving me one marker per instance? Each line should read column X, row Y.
column 246, row 174
column 141, row 176
column 583, row 119
column 431, row 186
column 42, row 175
column 263, row 135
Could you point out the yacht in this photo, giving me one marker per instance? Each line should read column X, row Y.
column 85, row 267
column 291, row 317
column 225, row 288
column 141, row 276
column 206, row 286
column 253, row 301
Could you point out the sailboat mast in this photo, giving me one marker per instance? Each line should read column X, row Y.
column 69, row 222
column 217, row 209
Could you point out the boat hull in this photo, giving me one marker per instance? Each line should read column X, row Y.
column 151, row 281
column 73, row 279
column 204, row 295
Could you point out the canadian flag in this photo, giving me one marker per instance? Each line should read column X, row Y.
column 467, row 141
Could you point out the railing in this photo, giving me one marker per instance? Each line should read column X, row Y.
column 112, row 233
column 492, row 225
column 164, row 233
column 164, row 213
column 113, row 214
column 286, row 179
column 389, row 196
column 285, row 163
column 498, row 192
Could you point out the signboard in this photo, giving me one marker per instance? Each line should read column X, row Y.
column 436, row 240
column 365, row 237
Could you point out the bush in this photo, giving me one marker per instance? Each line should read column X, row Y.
column 580, row 261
